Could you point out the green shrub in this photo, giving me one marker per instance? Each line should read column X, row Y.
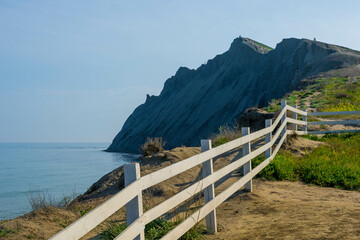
column 5, row 233
column 291, row 99
column 283, row 167
column 334, row 164
column 112, row 230
column 219, row 141
column 311, row 137
column 152, row 146
column 226, row 134
column 274, row 105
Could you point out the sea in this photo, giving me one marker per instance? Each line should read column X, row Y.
column 53, row 170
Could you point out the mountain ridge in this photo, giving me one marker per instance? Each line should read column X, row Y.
column 195, row 102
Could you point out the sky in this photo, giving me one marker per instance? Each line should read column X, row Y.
column 73, row 71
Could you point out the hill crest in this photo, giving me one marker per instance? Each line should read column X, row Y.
column 194, row 103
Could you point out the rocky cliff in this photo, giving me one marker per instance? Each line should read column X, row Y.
column 194, row 103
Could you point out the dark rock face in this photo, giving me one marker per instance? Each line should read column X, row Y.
column 194, row 103
column 254, row 118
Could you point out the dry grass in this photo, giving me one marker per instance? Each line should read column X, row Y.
column 152, row 146
column 38, row 199
column 226, row 134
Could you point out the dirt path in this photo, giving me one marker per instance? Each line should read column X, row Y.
column 290, row 210
column 307, row 103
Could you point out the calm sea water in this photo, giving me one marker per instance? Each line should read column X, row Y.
column 56, row 169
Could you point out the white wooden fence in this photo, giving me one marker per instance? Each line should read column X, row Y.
column 131, row 195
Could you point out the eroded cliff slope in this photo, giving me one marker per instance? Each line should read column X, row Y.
column 194, row 103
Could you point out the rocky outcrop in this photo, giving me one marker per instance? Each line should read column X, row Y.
column 194, row 103
column 254, row 118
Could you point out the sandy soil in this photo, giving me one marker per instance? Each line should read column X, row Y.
column 39, row 224
column 290, row 210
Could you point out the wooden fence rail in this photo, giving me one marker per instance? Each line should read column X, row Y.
column 131, row 195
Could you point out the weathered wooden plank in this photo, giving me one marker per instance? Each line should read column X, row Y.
column 333, row 113
column 209, row 191
column 342, row 122
column 134, row 208
column 133, row 230
column 262, row 165
column 268, row 137
column 298, row 111
column 294, row 116
column 277, row 148
column 297, row 132
column 304, row 118
column 278, row 119
column 333, row 132
column 299, row 122
column 89, row 221
column 283, row 106
column 246, row 150
column 280, row 130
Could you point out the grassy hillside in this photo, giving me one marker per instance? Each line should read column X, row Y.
column 337, row 162
column 334, row 164
column 325, row 95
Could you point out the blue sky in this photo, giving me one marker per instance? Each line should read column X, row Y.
column 73, row 71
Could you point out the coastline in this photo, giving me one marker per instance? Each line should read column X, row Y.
column 53, row 170
column 274, row 200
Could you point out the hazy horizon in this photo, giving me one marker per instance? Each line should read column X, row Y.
column 72, row 72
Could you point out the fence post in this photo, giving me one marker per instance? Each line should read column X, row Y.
column 209, row 192
column 294, row 117
column 246, row 150
column 268, row 138
column 283, row 105
column 304, row 118
column 134, row 208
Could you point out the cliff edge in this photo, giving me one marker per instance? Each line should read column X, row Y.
column 194, row 103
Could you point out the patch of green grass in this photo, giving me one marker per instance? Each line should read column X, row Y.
column 62, row 222
column 219, row 141
column 263, row 45
column 291, row 99
column 334, row 94
column 226, row 134
column 155, row 230
column 274, row 105
column 85, row 211
column 334, row 164
column 112, row 230
column 338, row 94
column 283, row 167
column 311, row 137
column 4, row 232
column 30, row 235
